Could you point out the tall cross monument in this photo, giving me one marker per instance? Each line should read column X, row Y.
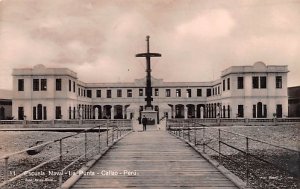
column 148, row 56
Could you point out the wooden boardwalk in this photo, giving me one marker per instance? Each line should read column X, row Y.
column 155, row 159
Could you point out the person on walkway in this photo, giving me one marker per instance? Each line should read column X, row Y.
column 144, row 122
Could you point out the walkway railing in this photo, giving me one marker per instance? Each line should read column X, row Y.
column 240, row 121
column 257, row 162
column 94, row 140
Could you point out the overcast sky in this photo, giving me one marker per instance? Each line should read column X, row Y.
column 197, row 38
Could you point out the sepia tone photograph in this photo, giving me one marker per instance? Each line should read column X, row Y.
column 149, row 94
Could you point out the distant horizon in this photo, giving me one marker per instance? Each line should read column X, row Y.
column 99, row 39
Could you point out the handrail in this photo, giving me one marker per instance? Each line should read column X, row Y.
column 187, row 129
column 46, row 143
column 110, row 138
column 258, row 140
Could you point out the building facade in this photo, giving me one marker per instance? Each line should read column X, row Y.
column 257, row 91
column 294, row 101
column 5, row 104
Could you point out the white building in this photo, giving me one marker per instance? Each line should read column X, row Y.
column 257, row 91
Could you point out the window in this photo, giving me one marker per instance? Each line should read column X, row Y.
column 39, row 112
column 43, row 84
column 199, row 92
column 265, row 111
column 254, row 111
column 278, row 82
column 119, row 93
column 20, row 113
column 83, row 92
column 34, row 113
column 108, row 94
column 189, row 93
column 218, row 89
column 255, row 82
column 129, row 92
column 36, row 84
column 228, row 83
column 141, row 92
column 223, row 84
column 89, row 93
column 58, row 84
column 263, row 82
column 240, row 111
column 178, row 92
column 213, row 91
column 279, row 110
column 79, row 90
column 260, row 110
column 98, row 93
column 70, row 85
column 70, row 112
column 57, row 112
column 74, row 88
column 228, row 111
column 168, row 92
column 74, row 113
column 20, row 84
column 240, row 83
column 156, row 92
column 208, row 92
column 45, row 112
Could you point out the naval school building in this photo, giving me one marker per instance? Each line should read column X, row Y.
column 257, row 91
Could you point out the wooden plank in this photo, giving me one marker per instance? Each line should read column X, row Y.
column 158, row 160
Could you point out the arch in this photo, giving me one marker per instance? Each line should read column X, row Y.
column 199, row 111
column 179, row 111
column 190, row 110
column 107, row 111
column 118, row 111
column 98, row 112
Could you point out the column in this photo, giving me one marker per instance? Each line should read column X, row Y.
column 185, row 112
column 195, row 112
column 96, row 113
column 123, row 111
column 112, row 112
column 128, row 114
column 201, row 112
column 169, row 114
column 103, row 112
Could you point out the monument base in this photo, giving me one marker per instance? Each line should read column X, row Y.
column 151, row 116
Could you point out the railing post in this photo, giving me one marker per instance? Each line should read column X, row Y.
column 99, row 139
column 195, row 135
column 189, row 134
column 182, row 131
column 85, row 144
column 247, row 161
column 203, row 138
column 113, row 134
column 219, row 138
column 107, row 134
column 60, row 178
column 6, row 170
